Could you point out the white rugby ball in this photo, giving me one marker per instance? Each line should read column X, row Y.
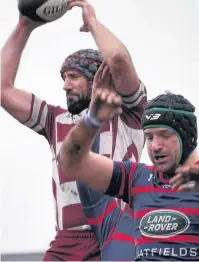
column 42, row 10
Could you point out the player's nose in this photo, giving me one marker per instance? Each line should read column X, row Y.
column 67, row 87
column 156, row 144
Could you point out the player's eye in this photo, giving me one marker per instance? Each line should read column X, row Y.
column 74, row 76
column 166, row 135
column 149, row 138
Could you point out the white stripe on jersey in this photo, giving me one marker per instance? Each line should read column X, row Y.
column 35, row 112
column 42, row 122
column 134, row 100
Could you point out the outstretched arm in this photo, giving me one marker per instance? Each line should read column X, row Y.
column 111, row 48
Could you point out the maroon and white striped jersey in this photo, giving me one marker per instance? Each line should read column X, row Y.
column 120, row 139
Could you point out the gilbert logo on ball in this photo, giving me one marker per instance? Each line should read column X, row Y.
column 52, row 10
column 42, row 10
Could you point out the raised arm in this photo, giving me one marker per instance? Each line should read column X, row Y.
column 15, row 101
column 112, row 49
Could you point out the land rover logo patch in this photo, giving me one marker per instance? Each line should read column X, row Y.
column 163, row 223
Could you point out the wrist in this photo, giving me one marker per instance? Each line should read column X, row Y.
column 24, row 27
column 27, row 24
column 92, row 23
column 91, row 120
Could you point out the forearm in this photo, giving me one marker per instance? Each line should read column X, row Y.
column 108, row 44
column 11, row 54
column 76, row 146
column 117, row 57
column 79, row 163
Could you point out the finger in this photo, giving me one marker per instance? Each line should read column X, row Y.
column 192, row 173
column 108, row 77
column 72, row 4
column 74, row 1
column 115, row 99
column 104, row 95
column 176, row 178
column 95, row 99
column 177, row 184
column 98, row 74
column 117, row 111
column 181, row 169
column 118, row 100
column 180, row 179
column 110, row 80
column 105, row 72
column 193, row 169
column 100, row 96
column 83, row 1
column 189, row 187
column 111, row 99
column 83, row 28
column 97, row 94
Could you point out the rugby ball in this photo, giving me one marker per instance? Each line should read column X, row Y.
column 42, row 10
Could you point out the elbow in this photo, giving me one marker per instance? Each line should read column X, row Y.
column 5, row 92
column 5, row 85
column 119, row 59
column 66, row 166
column 6, row 82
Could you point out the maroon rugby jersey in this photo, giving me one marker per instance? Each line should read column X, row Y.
column 120, row 139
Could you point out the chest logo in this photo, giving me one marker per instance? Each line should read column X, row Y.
column 163, row 223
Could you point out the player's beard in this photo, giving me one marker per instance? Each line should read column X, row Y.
column 76, row 107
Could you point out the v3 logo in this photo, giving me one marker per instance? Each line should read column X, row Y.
column 153, row 116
